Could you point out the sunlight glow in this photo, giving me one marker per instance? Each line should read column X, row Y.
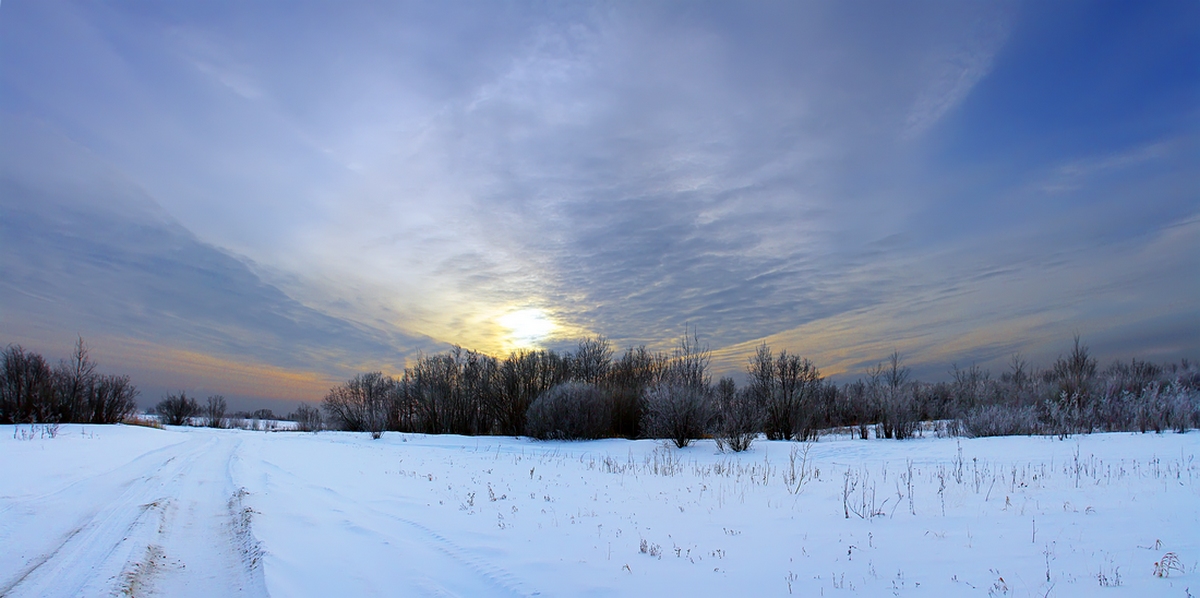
column 527, row 326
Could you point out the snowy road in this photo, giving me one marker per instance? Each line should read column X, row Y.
column 168, row 523
column 116, row 510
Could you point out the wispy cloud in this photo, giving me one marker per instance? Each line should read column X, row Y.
column 346, row 185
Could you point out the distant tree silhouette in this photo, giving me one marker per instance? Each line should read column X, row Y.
column 177, row 409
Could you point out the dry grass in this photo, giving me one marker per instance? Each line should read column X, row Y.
column 145, row 422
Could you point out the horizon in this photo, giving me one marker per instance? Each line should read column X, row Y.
column 260, row 201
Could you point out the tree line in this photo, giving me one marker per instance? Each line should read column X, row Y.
column 33, row 391
column 593, row 393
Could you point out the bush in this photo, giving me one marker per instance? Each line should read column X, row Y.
column 307, row 418
column 679, row 412
column 680, row 406
column 995, row 420
column 112, row 400
column 791, row 393
column 214, row 412
column 739, row 417
column 175, row 410
column 570, row 411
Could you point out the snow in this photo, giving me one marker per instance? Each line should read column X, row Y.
column 98, row 510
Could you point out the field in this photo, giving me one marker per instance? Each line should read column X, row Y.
column 102, row 510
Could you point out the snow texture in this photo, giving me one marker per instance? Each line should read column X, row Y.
column 120, row 510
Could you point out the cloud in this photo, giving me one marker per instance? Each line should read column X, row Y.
column 393, row 177
column 88, row 253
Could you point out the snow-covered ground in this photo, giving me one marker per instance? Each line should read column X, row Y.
column 99, row 510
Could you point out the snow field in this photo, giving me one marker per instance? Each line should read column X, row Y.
column 294, row 514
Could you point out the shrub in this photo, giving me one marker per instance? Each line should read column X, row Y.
column 112, row 399
column 175, row 410
column 307, row 418
column 995, row 420
column 214, row 412
column 739, row 417
column 570, row 411
column 680, row 406
column 678, row 412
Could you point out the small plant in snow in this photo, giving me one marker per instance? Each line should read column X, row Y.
column 1168, row 563
column 35, row 431
column 999, row 587
column 793, row 478
column 653, row 550
column 1109, row 579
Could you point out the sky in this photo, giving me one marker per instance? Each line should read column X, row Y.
column 262, row 199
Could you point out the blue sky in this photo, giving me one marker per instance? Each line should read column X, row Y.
column 261, row 199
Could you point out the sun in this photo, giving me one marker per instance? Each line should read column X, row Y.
column 527, row 326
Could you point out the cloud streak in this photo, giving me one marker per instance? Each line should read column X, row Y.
column 379, row 180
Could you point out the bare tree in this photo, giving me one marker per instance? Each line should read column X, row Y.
column 1074, row 375
column 73, row 384
column 112, row 399
column 592, row 360
column 1018, row 374
column 894, row 400
column 789, row 390
column 570, row 411
column 680, row 406
column 628, row 380
column 214, row 412
column 177, row 409
column 521, row 378
column 26, row 387
column 307, row 418
column 362, row 404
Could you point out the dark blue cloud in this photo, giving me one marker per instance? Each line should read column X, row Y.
column 842, row 178
column 87, row 252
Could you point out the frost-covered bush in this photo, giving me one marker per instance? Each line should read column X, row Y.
column 678, row 412
column 679, row 406
column 1168, row 407
column 739, row 417
column 995, row 420
column 570, row 411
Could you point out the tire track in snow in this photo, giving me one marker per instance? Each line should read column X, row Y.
column 137, row 465
column 204, row 546
column 89, row 557
column 168, row 523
